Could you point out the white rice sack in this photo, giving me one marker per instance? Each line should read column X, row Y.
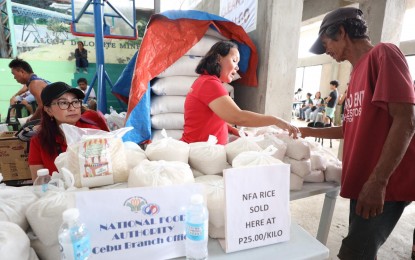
column 318, row 161
column 315, row 176
column 45, row 215
column 203, row 46
column 215, row 194
column 173, row 133
column 184, row 66
column 46, row 252
column 270, row 139
column 208, row 157
column 230, row 90
column 168, row 149
column 173, row 86
column 134, row 154
column 298, row 149
column 334, row 172
column 242, row 144
column 168, row 121
column 33, row 255
column 300, row 167
column 167, row 104
column 296, row 182
column 13, row 205
column 216, row 232
column 255, row 158
column 160, row 173
column 14, row 243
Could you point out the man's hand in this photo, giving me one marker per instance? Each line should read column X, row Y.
column 371, row 199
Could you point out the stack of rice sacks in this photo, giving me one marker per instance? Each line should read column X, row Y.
column 170, row 88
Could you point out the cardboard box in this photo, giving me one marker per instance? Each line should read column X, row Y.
column 13, row 158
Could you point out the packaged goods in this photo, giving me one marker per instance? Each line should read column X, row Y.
column 318, row 161
column 45, row 215
column 270, row 139
column 134, row 154
column 215, row 195
column 156, row 134
column 197, row 226
column 300, row 167
column 315, row 176
column 298, row 149
column 173, row 85
column 168, row 121
column 184, row 66
column 160, row 173
column 13, row 204
column 14, row 243
column 168, row 149
column 255, row 158
column 167, row 104
column 296, row 182
column 242, row 144
column 45, row 252
column 333, row 172
column 208, row 157
column 95, row 157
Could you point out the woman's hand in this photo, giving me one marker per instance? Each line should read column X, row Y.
column 292, row 130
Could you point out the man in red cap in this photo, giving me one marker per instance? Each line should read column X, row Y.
column 378, row 127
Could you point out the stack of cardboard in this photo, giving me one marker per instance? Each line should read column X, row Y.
column 13, row 158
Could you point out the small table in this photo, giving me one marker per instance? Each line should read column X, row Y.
column 332, row 191
column 300, row 246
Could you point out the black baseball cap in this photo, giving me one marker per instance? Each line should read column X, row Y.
column 331, row 18
column 57, row 89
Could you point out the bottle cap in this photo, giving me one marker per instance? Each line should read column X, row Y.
column 42, row 172
column 70, row 214
column 196, row 199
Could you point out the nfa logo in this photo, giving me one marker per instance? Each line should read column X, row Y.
column 139, row 204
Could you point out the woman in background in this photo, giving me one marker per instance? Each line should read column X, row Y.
column 209, row 110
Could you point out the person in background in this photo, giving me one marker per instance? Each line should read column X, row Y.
column 81, row 58
column 23, row 73
column 209, row 110
column 306, row 107
column 23, row 97
column 331, row 100
column 378, row 128
column 341, row 102
column 62, row 104
column 83, row 85
column 318, row 106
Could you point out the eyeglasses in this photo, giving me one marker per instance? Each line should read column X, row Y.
column 62, row 104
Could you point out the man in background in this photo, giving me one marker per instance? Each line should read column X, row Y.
column 91, row 101
column 23, row 74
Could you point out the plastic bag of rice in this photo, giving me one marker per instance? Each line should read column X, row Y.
column 242, row 144
column 45, row 215
column 270, row 139
column 134, row 154
column 208, row 157
column 14, row 243
column 160, row 173
column 168, row 149
column 13, row 204
column 215, row 194
column 255, row 158
column 46, row 252
column 300, row 167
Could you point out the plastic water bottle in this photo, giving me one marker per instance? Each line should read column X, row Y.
column 73, row 237
column 111, row 110
column 197, row 218
column 40, row 185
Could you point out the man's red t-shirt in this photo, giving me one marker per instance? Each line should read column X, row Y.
column 38, row 156
column 378, row 78
column 199, row 120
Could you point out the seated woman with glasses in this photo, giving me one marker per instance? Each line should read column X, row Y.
column 61, row 104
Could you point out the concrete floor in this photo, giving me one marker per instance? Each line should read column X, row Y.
column 306, row 212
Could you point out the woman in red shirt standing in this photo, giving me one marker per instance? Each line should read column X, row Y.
column 209, row 110
column 61, row 104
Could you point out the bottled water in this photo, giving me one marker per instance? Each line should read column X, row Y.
column 40, row 185
column 73, row 237
column 111, row 110
column 197, row 217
